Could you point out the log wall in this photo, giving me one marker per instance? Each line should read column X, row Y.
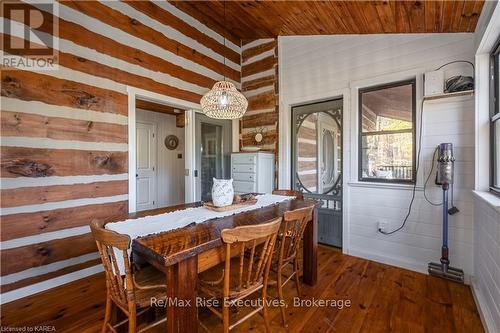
column 64, row 155
column 259, row 83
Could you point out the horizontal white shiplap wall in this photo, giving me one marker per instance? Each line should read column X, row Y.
column 326, row 66
column 319, row 67
column 486, row 281
column 420, row 241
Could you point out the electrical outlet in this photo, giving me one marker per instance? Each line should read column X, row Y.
column 382, row 226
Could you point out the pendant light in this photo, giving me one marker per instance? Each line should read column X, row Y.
column 224, row 101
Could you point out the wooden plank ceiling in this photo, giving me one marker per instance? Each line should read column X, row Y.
column 262, row 19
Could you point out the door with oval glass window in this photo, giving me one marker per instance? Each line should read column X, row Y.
column 317, row 163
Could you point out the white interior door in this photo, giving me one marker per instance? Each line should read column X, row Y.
column 145, row 166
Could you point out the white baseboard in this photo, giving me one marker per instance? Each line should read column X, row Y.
column 420, row 267
column 398, row 262
column 484, row 312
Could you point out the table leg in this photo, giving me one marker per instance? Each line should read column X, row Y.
column 310, row 254
column 181, row 287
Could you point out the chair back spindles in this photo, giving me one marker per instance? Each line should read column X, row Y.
column 110, row 244
column 123, row 287
column 250, row 248
column 254, row 257
column 294, row 225
column 290, row 235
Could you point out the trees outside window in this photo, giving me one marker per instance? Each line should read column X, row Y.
column 387, row 132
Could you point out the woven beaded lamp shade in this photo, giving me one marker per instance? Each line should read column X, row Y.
column 224, row 101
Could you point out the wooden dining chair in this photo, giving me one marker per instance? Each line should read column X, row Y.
column 132, row 291
column 290, row 193
column 287, row 249
column 254, row 246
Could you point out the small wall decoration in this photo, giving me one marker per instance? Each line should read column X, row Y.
column 171, row 142
column 259, row 135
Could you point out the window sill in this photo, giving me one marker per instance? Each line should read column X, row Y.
column 490, row 198
column 390, row 186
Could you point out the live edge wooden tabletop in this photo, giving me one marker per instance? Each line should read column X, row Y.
column 182, row 253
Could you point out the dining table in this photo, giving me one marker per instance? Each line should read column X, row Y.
column 184, row 252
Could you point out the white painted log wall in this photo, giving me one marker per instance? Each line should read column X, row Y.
column 320, row 67
column 50, row 110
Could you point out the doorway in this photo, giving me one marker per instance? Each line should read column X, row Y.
column 317, row 163
column 212, row 153
column 160, row 155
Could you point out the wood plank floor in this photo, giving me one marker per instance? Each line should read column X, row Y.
column 383, row 299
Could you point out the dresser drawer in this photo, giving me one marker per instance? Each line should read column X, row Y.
column 244, row 187
column 244, row 159
column 250, row 168
column 246, row 177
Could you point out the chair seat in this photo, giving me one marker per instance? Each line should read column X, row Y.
column 216, row 291
column 147, row 277
column 211, row 283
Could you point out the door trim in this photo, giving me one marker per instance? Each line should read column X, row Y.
column 189, row 132
column 134, row 93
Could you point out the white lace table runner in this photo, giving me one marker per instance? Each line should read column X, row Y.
column 180, row 218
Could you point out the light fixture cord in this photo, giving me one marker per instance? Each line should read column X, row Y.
column 224, row 37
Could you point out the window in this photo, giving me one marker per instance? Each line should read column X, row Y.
column 495, row 120
column 387, row 133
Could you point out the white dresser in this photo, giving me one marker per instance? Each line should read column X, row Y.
column 252, row 172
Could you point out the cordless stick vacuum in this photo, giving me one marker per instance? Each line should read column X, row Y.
column 444, row 178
